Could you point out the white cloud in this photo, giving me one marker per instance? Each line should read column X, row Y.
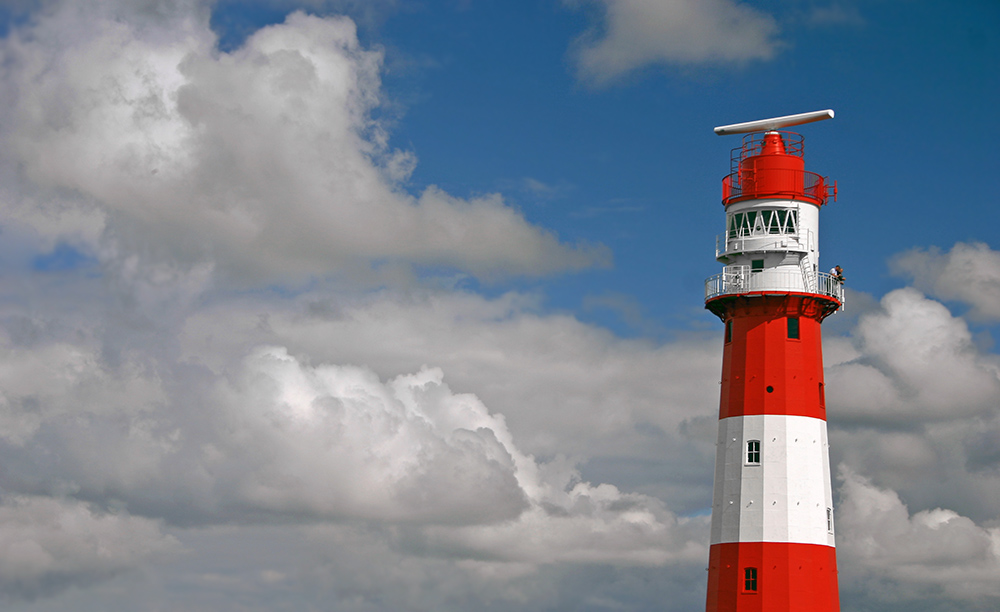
column 49, row 544
column 567, row 387
column 638, row 33
column 259, row 164
column 60, row 380
column 441, row 443
column 333, row 441
column 835, row 14
column 269, row 436
column 914, row 360
column 968, row 273
column 876, row 534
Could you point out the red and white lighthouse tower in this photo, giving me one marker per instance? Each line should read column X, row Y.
column 772, row 547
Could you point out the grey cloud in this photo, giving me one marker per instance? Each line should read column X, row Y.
column 639, row 33
column 47, row 545
column 278, row 438
column 937, row 547
column 272, row 438
column 914, row 360
column 450, row 461
column 567, row 387
column 969, row 273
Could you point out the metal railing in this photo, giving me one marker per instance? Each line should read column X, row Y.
column 727, row 242
column 753, row 144
column 735, row 280
column 775, row 183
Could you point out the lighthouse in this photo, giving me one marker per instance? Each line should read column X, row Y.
column 772, row 536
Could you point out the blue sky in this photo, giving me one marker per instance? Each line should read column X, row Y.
column 345, row 305
column 487, row 97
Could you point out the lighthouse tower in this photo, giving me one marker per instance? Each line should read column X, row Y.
column 772, row 547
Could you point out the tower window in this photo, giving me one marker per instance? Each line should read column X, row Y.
column 761, row 222
column 729, row 331
column 756, row 265
column 750, row 579
column 793, row 328
column 753, row 452
column 829, row 520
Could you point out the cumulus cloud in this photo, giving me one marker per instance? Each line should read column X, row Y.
column 254, row 165
column 279, row 439
column 583, row 523
column 334, row 441
column 49, row 544
column 414, row 436
column 913, row 360
column 638, row 33
column 556, row 375
column 877, row 535
column 968, row 273
column 231, row 433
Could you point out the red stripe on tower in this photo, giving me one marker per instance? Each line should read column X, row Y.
column 772, row 546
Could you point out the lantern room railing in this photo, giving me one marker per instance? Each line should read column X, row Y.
column 753, row 145
column 751, row 178
column 776, row 183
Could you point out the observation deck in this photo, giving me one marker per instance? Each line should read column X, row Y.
column 742, row 280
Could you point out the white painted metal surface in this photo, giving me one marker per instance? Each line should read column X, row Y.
column 806, row 225
column 761, row 257
column 786, row 496
column 735, row 280
column 774, row 123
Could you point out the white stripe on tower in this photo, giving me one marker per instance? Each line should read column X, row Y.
column 778, row 490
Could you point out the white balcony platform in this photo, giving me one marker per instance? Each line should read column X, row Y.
column 736, row 280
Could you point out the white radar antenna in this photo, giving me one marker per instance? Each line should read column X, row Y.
column 767, row 125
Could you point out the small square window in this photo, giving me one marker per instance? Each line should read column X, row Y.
column 750, row 579
column 756, row 265
column 753, row 451
column 793, row 328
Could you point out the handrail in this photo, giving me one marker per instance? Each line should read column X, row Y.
column 736, row 280
column 798, row 242
column 798, row 184
column 753, row 144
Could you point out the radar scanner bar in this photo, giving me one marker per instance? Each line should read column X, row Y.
column 767, row 125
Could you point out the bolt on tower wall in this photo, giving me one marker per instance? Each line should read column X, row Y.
column 772, row 541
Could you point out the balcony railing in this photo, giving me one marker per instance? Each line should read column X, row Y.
column 735, row 280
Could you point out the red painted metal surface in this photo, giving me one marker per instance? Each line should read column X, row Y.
column 771, row 167
column 769, row 370
column 763, row 370
column 790, row 577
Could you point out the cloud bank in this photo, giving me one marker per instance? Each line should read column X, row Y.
column 49, row 544
column 193, row 357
